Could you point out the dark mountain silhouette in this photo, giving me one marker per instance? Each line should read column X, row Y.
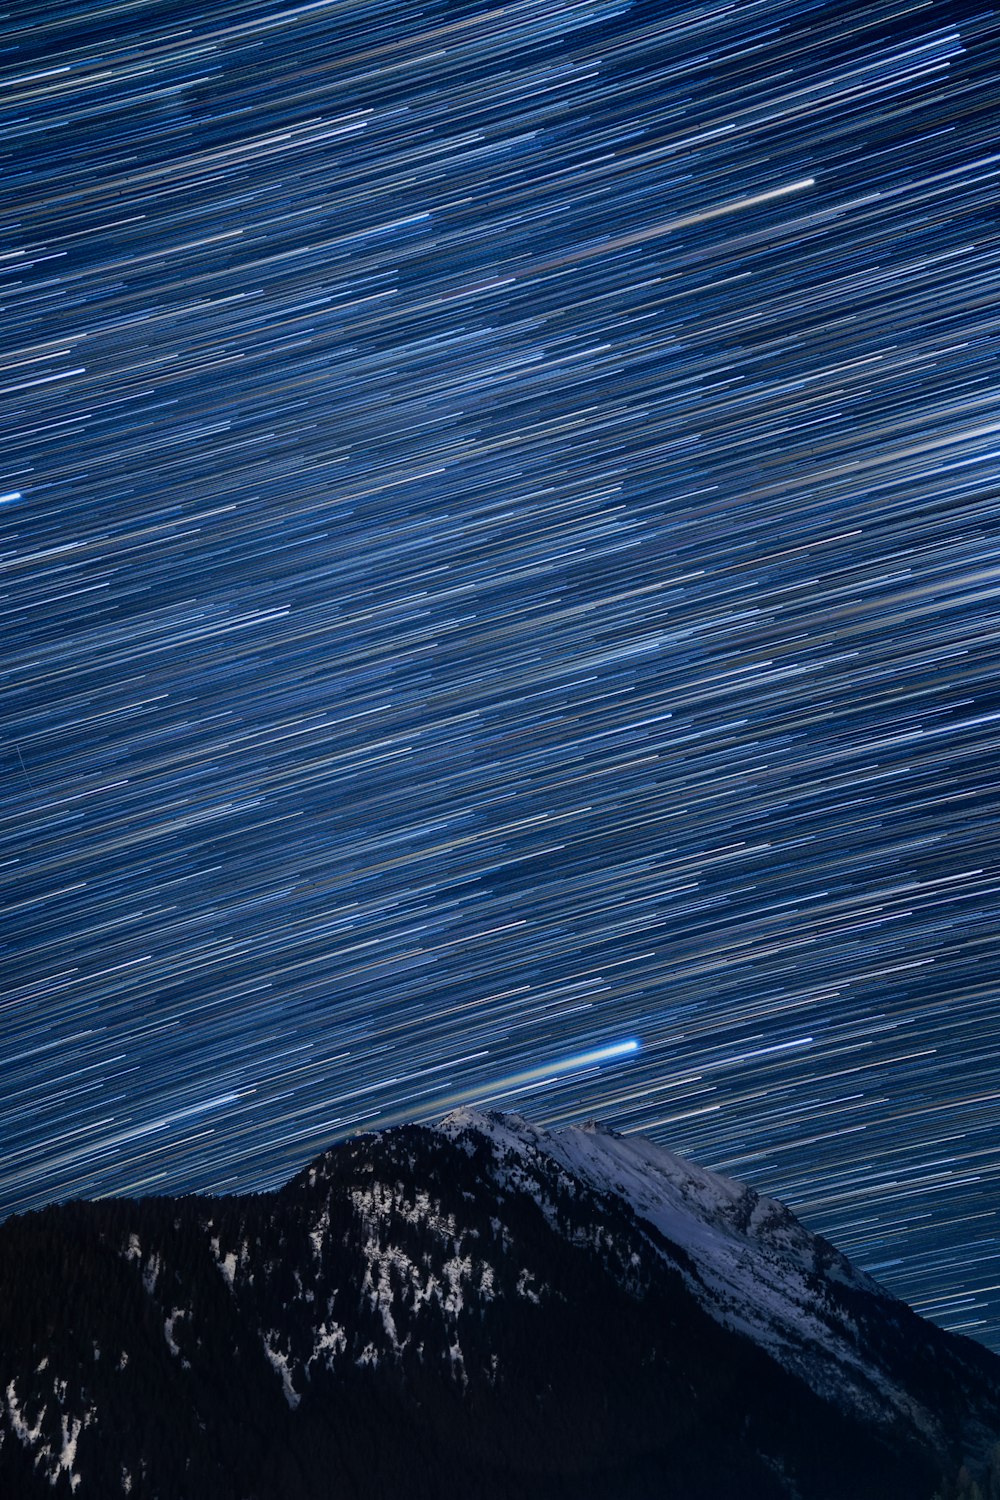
column 478, row 1308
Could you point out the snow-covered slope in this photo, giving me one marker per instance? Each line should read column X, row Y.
column 754, row 1267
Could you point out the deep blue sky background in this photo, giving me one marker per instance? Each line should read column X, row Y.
column 499, row 557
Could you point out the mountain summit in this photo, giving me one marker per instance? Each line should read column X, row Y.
column 479, row 1307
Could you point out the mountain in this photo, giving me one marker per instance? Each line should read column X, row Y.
column 478, row 1308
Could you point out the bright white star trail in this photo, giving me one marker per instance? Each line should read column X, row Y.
column 499, row 561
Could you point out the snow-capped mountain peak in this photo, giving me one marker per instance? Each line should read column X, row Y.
column 542, row 1312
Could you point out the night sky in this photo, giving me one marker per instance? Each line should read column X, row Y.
column 499, row 578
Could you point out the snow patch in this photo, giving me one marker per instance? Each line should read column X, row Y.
column 168, row 1330
column 456, row 1271
column 151, row 1273
column 28, row 1435
column 225, row 1263
column 71, row 1429
column 279, row 1362
column 525, row 1288
column 330, row 1341
column 318, row 1233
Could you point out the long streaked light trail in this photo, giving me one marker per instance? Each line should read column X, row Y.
column 513, row 1083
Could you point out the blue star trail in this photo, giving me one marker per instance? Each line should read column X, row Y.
column 499, row 583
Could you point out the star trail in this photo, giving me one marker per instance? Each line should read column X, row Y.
column 499, row 584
